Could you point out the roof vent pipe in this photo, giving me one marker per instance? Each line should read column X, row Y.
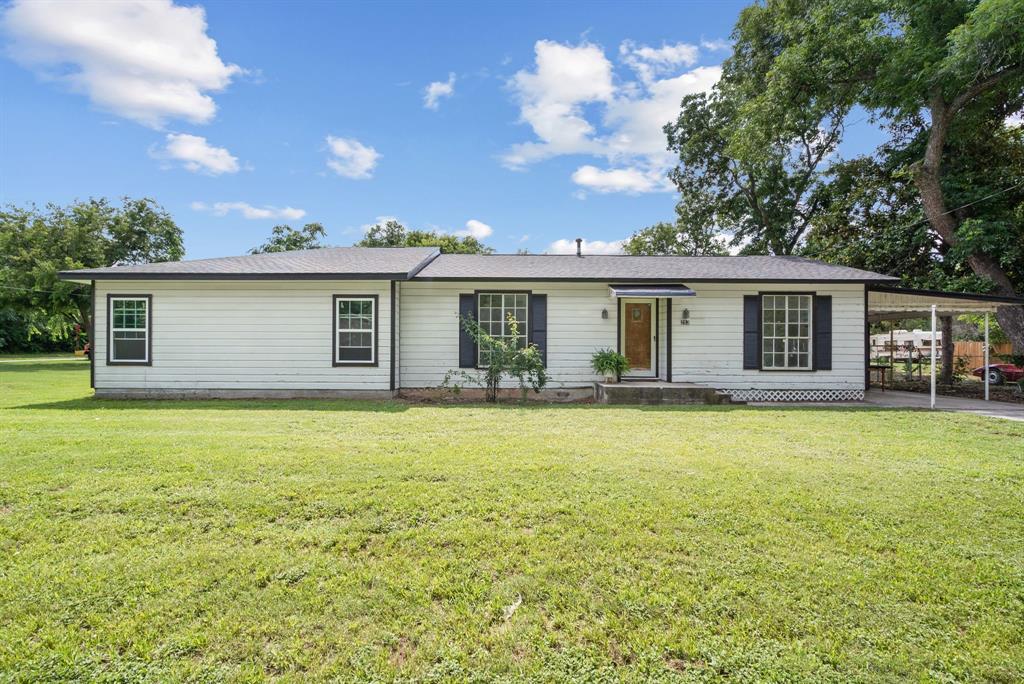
column 579, row 247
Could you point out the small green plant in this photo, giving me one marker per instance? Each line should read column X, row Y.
column 505, row 357
column 609, row 363
column 961, row 369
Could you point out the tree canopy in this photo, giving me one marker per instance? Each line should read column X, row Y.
column 284, row 238
column 939, row 201
column 36, row 244
column 391, row 233
column 675, row 239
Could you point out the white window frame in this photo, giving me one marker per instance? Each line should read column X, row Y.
column 112, row 331
column 524, row 325
column 786, row 337
column 336, row 322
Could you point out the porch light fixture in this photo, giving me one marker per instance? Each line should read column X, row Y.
column 604, row 314
column 684, row 318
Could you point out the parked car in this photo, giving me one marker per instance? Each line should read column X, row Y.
column 998, row 373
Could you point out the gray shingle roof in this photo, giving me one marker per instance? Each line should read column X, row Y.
column 639, row 268
column 364, row 263
column 403, row 263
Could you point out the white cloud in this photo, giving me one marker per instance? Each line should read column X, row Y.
column 551, row 100
column 575, row 107
column 1015, row 120
column 474, row 228
column 197, row 155
column 351, row 158
column 649, row 62
column 589, row 247
column 249, row 211
column 629, row 180
column 145, row 60
column 716, row 45
column 636, row 122
column 435, row 91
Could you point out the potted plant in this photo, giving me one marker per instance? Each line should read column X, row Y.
column 609, row 363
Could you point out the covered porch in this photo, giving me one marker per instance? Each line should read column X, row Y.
column 644, row 322
column 888, row 303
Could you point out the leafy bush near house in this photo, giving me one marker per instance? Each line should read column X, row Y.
column 505, row 358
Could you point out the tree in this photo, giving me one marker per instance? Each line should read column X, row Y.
column 391, row 233
column 35, row 245
column 287, row 239
column 960, row 62
column 676, row 239
column 766, row 202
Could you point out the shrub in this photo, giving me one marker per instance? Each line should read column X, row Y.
column 505, row 358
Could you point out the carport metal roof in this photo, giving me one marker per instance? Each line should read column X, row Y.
column 887, row 303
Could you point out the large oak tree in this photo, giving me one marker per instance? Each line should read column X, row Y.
column 943, row 73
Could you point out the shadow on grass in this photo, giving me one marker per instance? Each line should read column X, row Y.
column 36, row 365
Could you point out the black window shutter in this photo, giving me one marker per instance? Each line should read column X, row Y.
column 467, row 347
column 538, row 333
column 822, row 324
column 751, row 332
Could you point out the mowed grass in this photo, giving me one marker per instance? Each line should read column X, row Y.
column 301, row 540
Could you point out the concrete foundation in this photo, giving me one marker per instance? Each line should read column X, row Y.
column 241, row 394
column 655, row 392
column 559, row 395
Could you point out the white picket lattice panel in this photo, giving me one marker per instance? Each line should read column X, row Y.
column 783, row 395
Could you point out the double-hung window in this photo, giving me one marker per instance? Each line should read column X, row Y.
column 355, row 330
column 129, row 318
column 494, row 309
column 786, row 332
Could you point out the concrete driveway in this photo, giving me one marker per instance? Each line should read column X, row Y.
column 995, row 409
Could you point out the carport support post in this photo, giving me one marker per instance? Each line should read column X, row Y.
column 933, row 356
column 985, row 373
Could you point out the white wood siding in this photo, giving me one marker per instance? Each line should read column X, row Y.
column 244, row 335
column 662, row 338
column 278, row 335
column 709, row 351
column 430, row 328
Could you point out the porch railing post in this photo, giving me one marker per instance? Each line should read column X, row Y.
column 933, row 356
column 985, row 374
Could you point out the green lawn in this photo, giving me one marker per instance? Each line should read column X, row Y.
column 295, row 540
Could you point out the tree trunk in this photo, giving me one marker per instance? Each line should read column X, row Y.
column 85, row 313
column 1011, row 320
column 928, row 179
column 947, row 350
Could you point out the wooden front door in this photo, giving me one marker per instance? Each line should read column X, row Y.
column 638, row 335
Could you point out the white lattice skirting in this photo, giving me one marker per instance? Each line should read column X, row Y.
column 797, row 395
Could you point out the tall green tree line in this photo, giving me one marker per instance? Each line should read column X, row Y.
column 35, row 244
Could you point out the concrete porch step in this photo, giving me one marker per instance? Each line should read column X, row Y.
column 649, row 392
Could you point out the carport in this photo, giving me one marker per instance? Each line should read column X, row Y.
column 887, row 303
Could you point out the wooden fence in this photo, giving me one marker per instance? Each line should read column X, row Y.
column 974, row 352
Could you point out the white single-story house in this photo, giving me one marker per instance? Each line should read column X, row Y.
column 373, row 322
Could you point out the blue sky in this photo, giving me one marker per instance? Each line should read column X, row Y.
column 544, row 123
